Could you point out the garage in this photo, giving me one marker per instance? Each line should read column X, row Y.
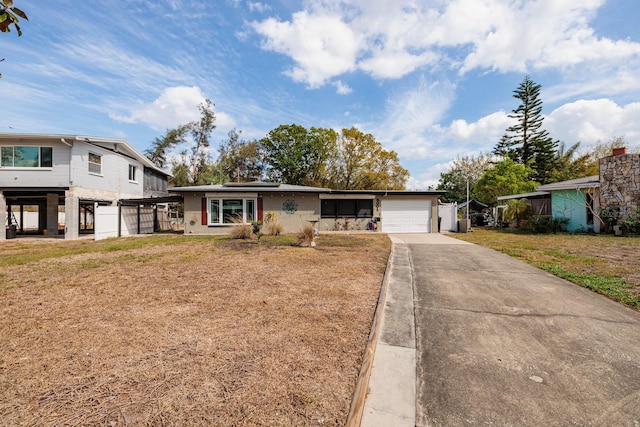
column 406, row 216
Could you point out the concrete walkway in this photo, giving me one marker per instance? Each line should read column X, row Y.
column 474, row 337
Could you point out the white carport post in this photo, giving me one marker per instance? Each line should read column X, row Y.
column 71, row 216
column 3, row 213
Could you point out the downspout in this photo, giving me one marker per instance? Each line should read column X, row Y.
column 119, row 219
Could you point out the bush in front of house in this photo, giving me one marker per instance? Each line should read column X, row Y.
column 241, row 230
column 272, row 226
column 306, row 236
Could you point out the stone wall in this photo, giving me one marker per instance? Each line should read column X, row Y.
column 620, row 182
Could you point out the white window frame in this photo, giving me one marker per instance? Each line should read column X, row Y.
column 99, row 156
column 133, row 173
column 220, row 213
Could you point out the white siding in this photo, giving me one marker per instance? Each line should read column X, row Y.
column 115, row 171
column 55, row 176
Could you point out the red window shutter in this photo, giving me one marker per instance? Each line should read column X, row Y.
column 260, row 209
column 203, row 213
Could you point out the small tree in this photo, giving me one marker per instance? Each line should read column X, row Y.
column 462, row 170
column 504, row 178
column 157, row 153
column 527, row 142
column 517, row 210
column 195, row 166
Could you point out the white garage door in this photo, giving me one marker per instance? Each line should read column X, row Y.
column 406, row 216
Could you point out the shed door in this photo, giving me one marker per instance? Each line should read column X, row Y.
column 406, row 216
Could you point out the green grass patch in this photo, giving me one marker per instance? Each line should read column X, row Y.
column 613, row 287
column 602, row 263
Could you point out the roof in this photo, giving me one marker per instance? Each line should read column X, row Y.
column 249, row 187
column 274, row 187
column 473, row 202
column 535, row 195
column 572, row 184
column 123, row 147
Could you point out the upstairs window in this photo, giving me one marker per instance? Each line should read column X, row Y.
column 132, row 173
column 26, row 157
column 95, row 164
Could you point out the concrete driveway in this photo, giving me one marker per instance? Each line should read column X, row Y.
column 500, row 343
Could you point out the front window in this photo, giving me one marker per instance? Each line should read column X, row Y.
column 95, row 163
column 231, row 211
column 352, row 208
column 26, row 157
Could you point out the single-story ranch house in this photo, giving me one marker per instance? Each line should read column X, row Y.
column 213, row 209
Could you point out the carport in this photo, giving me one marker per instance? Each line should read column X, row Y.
column 35, row 212
column 141, row 216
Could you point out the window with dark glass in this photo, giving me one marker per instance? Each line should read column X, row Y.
column 46, row 157
column 589, row 208
column 364, row 208
column 353, row 208
column 132, row 173
column 328, row 208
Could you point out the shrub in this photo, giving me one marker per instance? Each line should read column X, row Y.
column 307, row 235
column 631, row 223
column 243, row 231
column 272, row 226
column 547, row 224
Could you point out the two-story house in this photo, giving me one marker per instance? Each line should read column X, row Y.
column 67, row 176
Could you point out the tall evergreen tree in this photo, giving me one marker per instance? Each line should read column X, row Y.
column 526, row 142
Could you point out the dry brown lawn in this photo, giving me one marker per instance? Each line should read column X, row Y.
column 184, row 330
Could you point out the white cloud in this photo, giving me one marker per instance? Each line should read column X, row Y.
column 591, row 121
column 389, row 40
column 409, row 127
column 175, row 106
column 319, row 54
column 342, row 89
column 258, row 7
column 486, row 127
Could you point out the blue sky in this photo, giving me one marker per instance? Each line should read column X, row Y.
column 430, row 79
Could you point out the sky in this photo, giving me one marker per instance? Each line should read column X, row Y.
column 432, row 80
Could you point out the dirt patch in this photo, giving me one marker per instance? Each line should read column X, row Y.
column 187, row 332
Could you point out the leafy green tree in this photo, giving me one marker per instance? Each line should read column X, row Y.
column 325, row 142
column 570, row 164
column 527, row 142
column 157, row 153
column 195, row 166
column 290, row 154
column 241, row 161
column 504, row 178
column 362, row 163
column 462, row 170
